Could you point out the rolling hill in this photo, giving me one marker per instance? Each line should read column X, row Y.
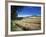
column 27, row 23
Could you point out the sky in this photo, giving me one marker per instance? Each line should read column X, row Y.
column 24, row 11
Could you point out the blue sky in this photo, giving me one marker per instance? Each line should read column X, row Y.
column 29, row 11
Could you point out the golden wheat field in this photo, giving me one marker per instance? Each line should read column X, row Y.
column 26, row 24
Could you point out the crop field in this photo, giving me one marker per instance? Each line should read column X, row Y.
column 26, row 24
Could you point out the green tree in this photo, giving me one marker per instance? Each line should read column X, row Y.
column 14, row 10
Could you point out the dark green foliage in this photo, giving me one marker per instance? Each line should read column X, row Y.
column 14, row 12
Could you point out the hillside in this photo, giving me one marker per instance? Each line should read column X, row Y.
column 27, row 23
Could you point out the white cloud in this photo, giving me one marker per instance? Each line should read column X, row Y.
column 24, row 15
